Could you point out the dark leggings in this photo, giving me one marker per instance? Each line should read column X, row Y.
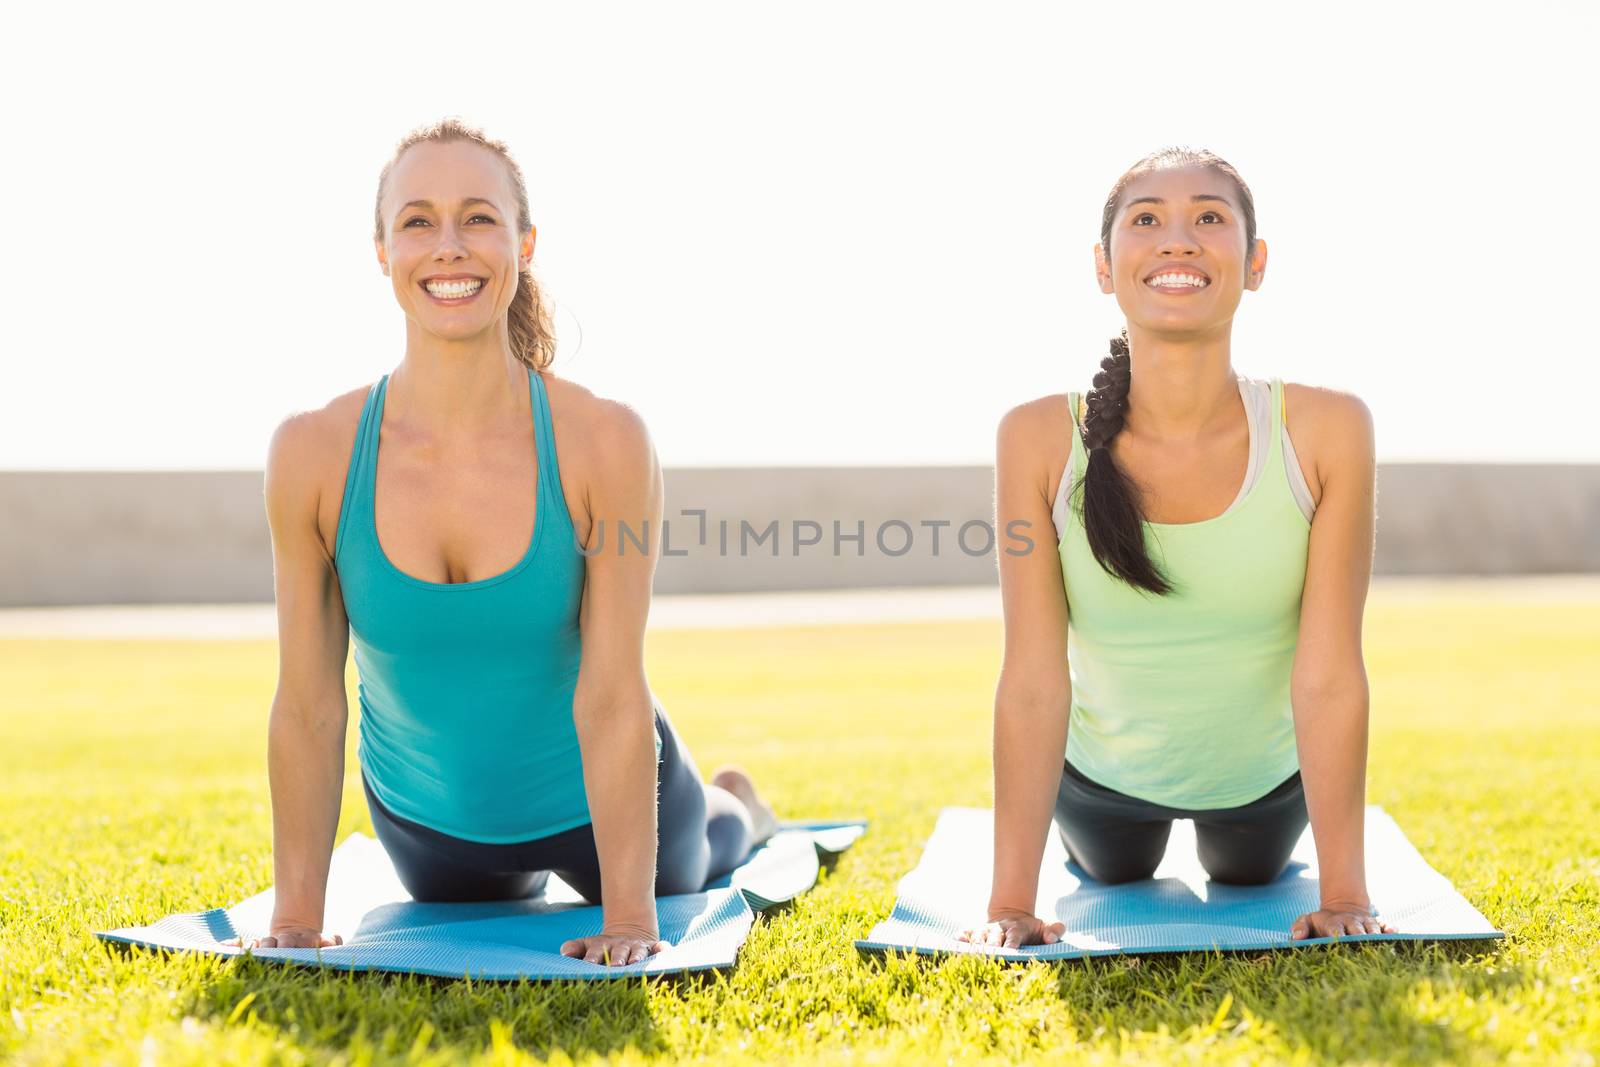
column 1117, row 838
column 701, row 833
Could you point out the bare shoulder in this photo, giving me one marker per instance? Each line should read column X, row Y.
column 600, row 440
column 1034, row 442
column 316, row 438
column 1038, row 424
column 1037, row 433
column 1330, row 428
column 308, row 458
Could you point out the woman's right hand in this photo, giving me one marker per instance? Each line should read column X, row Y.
column 289, row 937
column 1014, row 930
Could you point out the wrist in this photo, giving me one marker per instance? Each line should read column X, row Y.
column 1000, row 910
column 632, row 921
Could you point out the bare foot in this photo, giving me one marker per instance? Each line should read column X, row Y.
column 763, row 822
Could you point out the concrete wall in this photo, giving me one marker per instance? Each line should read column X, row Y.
column 201, row 537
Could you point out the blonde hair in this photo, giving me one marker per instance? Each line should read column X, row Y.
column 528, row 322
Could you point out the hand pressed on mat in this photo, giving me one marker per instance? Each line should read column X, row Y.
column 617, row 946
column 1339, row 919
column 289, row 937
column 1014, row 930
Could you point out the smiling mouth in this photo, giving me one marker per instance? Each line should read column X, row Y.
column 453, row 292
column 1177, row 281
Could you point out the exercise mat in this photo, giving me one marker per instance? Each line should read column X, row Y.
column 1177, row 910
column 385, row 930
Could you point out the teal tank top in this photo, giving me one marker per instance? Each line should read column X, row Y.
column 466, row 688
column 1183, row 699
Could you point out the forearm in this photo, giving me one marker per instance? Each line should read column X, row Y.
column 617, row 740
column 305, row 768
column 1030, row 739
column 1331, row 735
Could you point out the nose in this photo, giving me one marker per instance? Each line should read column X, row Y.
column 1178, row 241
column 449, row 247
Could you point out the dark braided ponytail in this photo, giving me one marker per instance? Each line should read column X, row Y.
column 1107, row 500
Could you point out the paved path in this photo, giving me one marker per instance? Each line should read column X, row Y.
column 236, row 621
column 822, row 607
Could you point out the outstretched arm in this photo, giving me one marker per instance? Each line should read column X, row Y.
column 612, row 706
column 306, row 731
column 1034, row 690
column 1329, row 682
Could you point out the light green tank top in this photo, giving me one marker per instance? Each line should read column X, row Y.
column 1183, row 699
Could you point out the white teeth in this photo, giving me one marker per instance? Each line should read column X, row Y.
column 1179, row 279
column 453, row 289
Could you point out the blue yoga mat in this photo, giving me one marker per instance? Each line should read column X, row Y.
column 1178, row 910
column 385, row 930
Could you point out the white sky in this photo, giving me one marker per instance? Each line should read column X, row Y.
column 818, row 233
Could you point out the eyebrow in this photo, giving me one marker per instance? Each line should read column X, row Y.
column 1196, row 198
column 429, row 203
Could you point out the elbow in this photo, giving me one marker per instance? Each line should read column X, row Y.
column 310, row 717
column 1032, row 700
column 601, row 706
column 1348, row 686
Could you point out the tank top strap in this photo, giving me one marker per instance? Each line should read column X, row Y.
column 1079, row 450
column 1275, row 437
column 545, row 442
column 358, row 479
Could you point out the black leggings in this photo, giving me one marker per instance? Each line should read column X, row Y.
column 1117, row 838
column 701, row 833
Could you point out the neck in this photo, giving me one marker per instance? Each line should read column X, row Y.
column 1179, row 386
column 455, row 388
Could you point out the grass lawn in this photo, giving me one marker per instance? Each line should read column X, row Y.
column 134, row 786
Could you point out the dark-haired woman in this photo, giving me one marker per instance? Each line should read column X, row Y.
column 1191, row 648
column 507, row 729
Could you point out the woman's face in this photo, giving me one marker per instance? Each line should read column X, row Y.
column 451, row 246
column 1177, row 261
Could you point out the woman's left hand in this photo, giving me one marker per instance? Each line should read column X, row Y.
column 617, row 946
column 1338, row 919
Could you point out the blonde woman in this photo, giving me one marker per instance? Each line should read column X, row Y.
column 449, row 520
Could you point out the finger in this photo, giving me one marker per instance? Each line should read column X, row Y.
column 1013, row 936
column 964, row 935
column 574, row 948
column 338, row 939
column 1054, row 932
column 659, row 946
column 265, row 942
column 596, row 953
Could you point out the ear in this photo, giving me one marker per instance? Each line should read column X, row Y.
column 1257, row 267
column 383, row 256
column 525, row 251
column 1102, row 270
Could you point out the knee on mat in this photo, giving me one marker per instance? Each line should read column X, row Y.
column 728, row 834
column 674, row 881
column 1244, row 873
column 1116, row 872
